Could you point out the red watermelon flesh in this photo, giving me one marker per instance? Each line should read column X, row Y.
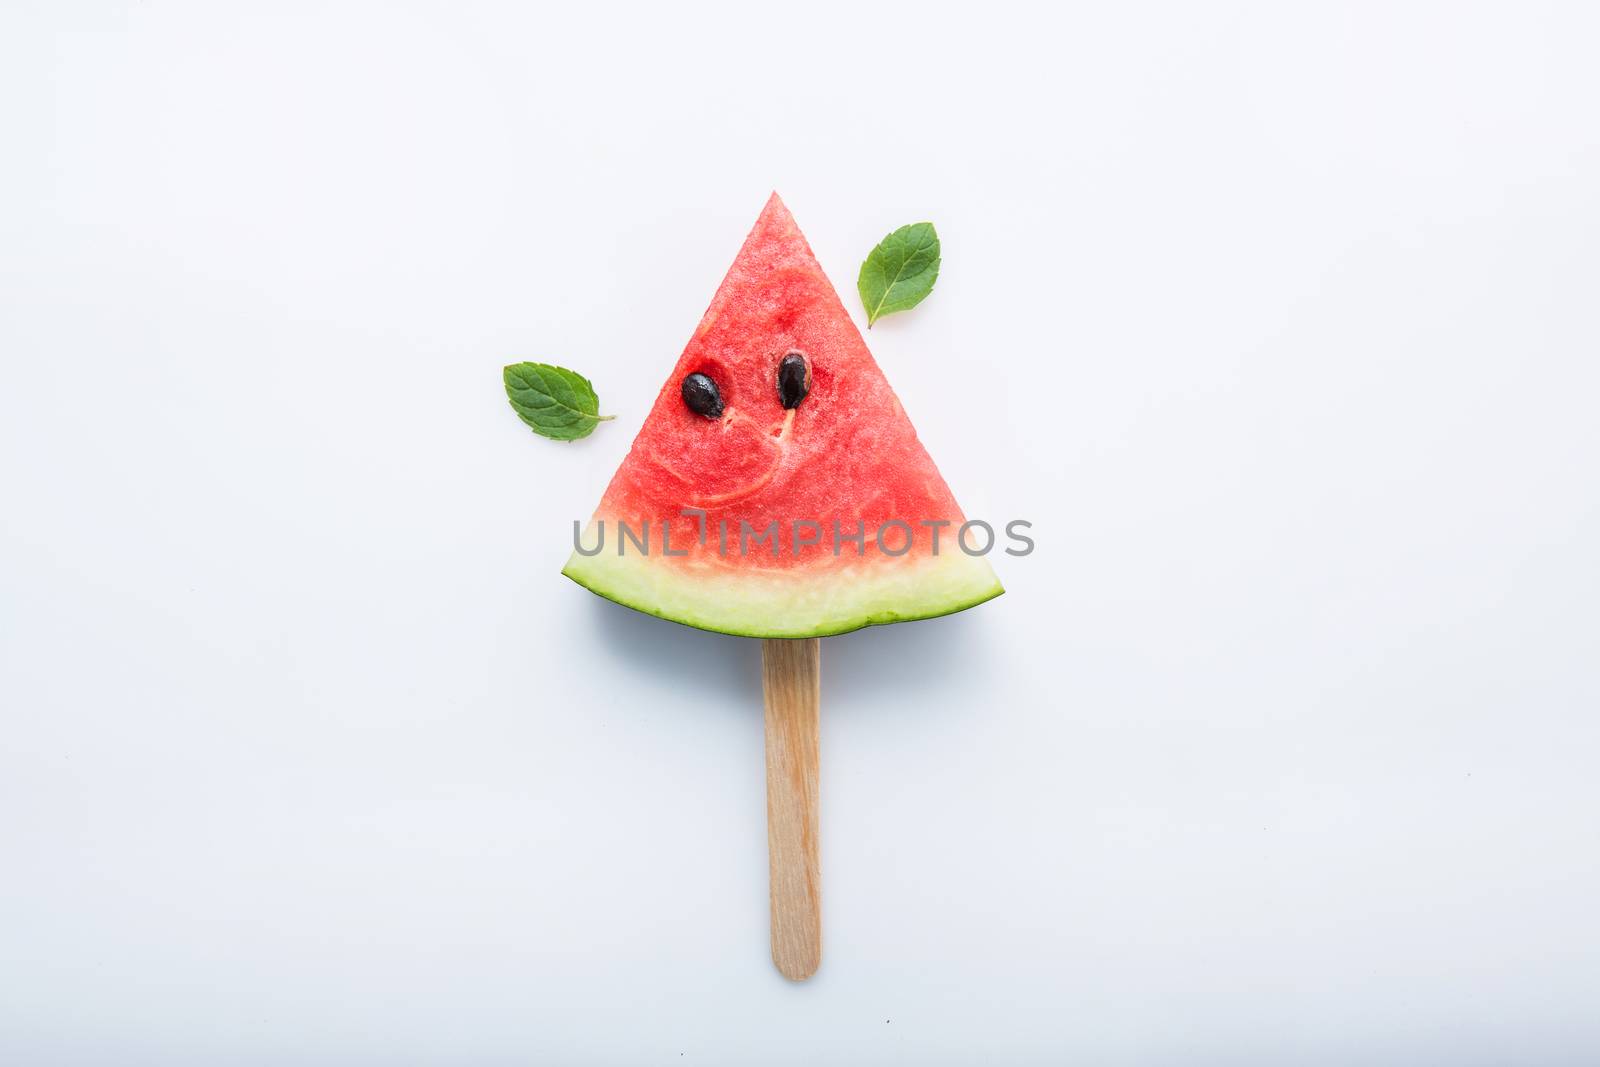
column 847, row 454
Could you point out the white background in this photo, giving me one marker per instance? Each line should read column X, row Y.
column 1278, row 322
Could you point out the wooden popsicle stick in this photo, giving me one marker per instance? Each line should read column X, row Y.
column 791, row 682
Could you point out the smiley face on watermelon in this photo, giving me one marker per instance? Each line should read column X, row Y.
column 795, row 496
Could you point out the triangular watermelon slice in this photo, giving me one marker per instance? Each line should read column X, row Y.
column 845, row 455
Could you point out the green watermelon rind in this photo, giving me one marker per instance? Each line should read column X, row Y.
column 766, row 622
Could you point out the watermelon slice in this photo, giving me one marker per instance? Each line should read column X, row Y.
column 845, row 455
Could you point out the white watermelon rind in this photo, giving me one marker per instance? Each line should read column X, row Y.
column 790, row 604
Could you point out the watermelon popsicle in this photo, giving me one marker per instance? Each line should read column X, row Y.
column 791, row 500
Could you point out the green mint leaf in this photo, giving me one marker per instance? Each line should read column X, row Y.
column 900, row 271
column 553, row 401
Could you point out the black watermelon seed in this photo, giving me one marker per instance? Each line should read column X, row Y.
column 702, row 397
column 794, row 379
